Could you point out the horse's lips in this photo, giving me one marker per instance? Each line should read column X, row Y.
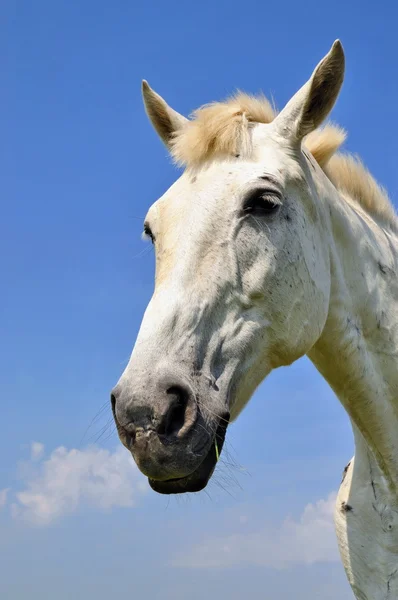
column 196, row 481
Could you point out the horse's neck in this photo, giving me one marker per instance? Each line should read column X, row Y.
column 357, row 352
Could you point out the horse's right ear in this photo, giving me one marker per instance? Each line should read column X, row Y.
column 165, row 120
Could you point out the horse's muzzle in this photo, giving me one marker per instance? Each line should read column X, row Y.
column 170, row 440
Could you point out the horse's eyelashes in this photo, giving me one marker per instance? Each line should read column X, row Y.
column 147, row 233
column 262, row 202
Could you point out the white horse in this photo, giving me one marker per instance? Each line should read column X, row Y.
column 268, row 247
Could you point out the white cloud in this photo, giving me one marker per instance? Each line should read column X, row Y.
column 58, row 485
column 308, row 540
column 3, row 497
column 36, row 450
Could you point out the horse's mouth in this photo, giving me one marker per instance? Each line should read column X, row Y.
column 196, row 481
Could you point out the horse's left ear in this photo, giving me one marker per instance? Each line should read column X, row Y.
column 165, row 119
column 310, row 106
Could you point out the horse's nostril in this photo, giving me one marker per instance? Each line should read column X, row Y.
column 175, row 418
column 168, row 409
column 126, row 432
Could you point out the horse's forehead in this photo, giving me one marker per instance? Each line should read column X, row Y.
column 220, row 179
column 214, row 187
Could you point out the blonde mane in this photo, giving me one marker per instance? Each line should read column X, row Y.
column 221, row 129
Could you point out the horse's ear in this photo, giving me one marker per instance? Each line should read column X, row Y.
column 165, row 120
column 310, row 106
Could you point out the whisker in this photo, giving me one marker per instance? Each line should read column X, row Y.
column 200, row 403
column 111, row 434
column 209, row 427
column 97, row 417
column 208, row 494
column 102, row 431
column 204, row 428
column 223, row 487
column 143, row 252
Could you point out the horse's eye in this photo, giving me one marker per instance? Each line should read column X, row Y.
column 262, row 202
column 147, row 233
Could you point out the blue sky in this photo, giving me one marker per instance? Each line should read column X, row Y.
column 81, row 166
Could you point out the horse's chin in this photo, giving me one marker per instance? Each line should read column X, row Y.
column 198, row 480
